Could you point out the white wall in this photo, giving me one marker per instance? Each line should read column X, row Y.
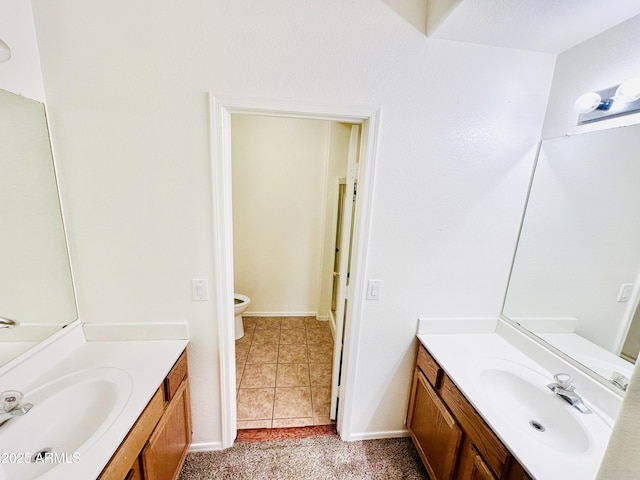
column 604, row 61
column 21, row 74
column 280, row 167
column 126, row 84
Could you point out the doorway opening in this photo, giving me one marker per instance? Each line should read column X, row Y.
column 366, row 120
column 291, row 223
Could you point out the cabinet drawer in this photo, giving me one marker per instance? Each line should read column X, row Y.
column 429, row 366
column 120, row 464
column 175, row 377
column 490, row 448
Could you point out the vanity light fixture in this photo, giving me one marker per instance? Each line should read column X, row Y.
column 5, row 52
column 610, row 102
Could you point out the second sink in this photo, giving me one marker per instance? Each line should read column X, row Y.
column 520, row 394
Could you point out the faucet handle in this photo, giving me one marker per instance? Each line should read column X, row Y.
column 564, row 380
column 9, row 399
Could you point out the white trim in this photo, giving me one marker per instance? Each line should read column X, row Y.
column 223, row 289
column 221, row 108
column 205, row 447
column 379, row 435
column 352, row 332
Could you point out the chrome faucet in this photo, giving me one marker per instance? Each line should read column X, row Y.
column 10, row 406
column 564, row 388
column 7, row 322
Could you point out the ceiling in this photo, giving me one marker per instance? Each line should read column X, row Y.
column 551, row 26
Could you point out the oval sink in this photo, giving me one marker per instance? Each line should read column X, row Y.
column 521, row 394
column 69, row 414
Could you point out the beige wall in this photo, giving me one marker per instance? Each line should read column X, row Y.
column 280, row 168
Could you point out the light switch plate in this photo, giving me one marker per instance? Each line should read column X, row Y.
column 199, row 289
column 374, row 289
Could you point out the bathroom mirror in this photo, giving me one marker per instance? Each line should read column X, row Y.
column 574, row 281
column 36, row 289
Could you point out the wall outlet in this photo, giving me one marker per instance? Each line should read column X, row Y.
column 199, row 289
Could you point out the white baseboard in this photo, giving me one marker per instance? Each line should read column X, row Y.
column 280, row 314
column 355, row 437
column 205, row 447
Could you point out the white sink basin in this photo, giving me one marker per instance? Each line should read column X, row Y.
column 521, row 395
column 68, row 416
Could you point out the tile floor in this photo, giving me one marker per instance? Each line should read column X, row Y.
column 283, row 372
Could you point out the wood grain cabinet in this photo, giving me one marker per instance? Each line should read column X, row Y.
column 449, row 435
column 157, row 444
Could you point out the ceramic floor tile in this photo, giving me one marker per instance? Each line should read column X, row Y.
column 323, row 421
column 239, row 371
column 263, row 354
column 244, row 424
column 268, row 322
column 246, row 339
column 259, row 375
column 293, row 354
column 263, row 337
column 310, row 321
column 293, row 336
column 249, row 323
column 293, row 322
column 241, row 353
column 320, row 353
column 318, row 335
column 321, row 401
column 320, row 374
column 293, row 375
column 293, row 422
column 255, row 403
column 292, row 402
column 283, row 372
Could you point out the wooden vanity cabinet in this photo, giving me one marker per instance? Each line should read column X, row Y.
column 449, row 435
column 157, row 444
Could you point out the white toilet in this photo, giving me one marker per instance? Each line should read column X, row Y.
column 240, row 304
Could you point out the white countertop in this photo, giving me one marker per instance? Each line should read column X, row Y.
column 459, row 354
column 146, row 362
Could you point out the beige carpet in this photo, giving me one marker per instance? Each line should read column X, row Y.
column 320, row 458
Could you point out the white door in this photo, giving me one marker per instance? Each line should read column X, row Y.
column 342, row 260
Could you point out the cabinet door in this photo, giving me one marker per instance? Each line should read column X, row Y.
column 134, row 472
column 164, row 454
column 433, row 430
column 480, row 470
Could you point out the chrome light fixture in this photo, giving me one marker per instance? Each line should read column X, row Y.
column 610, row 102
column 5, row 52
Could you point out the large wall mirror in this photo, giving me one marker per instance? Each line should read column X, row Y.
column 574, row 282
column 36, row 289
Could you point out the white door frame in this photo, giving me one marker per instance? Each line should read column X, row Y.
column 221, row 108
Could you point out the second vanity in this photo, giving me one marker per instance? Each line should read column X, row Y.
column 101, row 409
column 480, row 407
